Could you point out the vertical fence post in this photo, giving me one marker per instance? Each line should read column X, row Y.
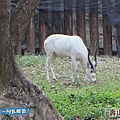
column 68, row 25
column 93, row 25
column 107, row 31
column 117, row 11
column 62, row 16
column 80, row 20
column 30, row 41
column 56, row 17
column 43, row 29
column 107, row 36
column 74, row 17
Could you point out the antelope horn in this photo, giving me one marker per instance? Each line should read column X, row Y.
column 95, row 55
column 89, row 59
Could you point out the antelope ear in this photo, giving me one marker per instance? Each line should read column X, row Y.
column 88, row 64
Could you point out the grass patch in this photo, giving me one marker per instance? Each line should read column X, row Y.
column 90, row 101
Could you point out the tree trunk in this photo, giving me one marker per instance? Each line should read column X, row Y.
column 20, row 18
column 16, row 89
column 5, row 56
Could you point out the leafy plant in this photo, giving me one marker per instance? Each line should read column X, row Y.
column 88, row 101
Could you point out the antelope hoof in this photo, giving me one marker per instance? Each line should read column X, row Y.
column 95, row 81
column 54, row 79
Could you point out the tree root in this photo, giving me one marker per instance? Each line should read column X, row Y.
column 22, row 92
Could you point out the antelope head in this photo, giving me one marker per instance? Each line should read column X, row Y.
column 91, row 68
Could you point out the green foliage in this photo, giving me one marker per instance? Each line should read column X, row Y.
column 88, row 100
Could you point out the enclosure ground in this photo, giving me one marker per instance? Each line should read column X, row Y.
column 84, row 99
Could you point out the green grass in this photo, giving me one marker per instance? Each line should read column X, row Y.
column 88, row 100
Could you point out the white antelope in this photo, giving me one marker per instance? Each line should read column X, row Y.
column 58, row 45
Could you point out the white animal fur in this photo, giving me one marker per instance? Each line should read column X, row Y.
column 58, row 45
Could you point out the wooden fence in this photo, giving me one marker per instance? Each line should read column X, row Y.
column 92, row 27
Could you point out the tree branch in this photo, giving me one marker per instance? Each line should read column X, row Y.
column 20, row 19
